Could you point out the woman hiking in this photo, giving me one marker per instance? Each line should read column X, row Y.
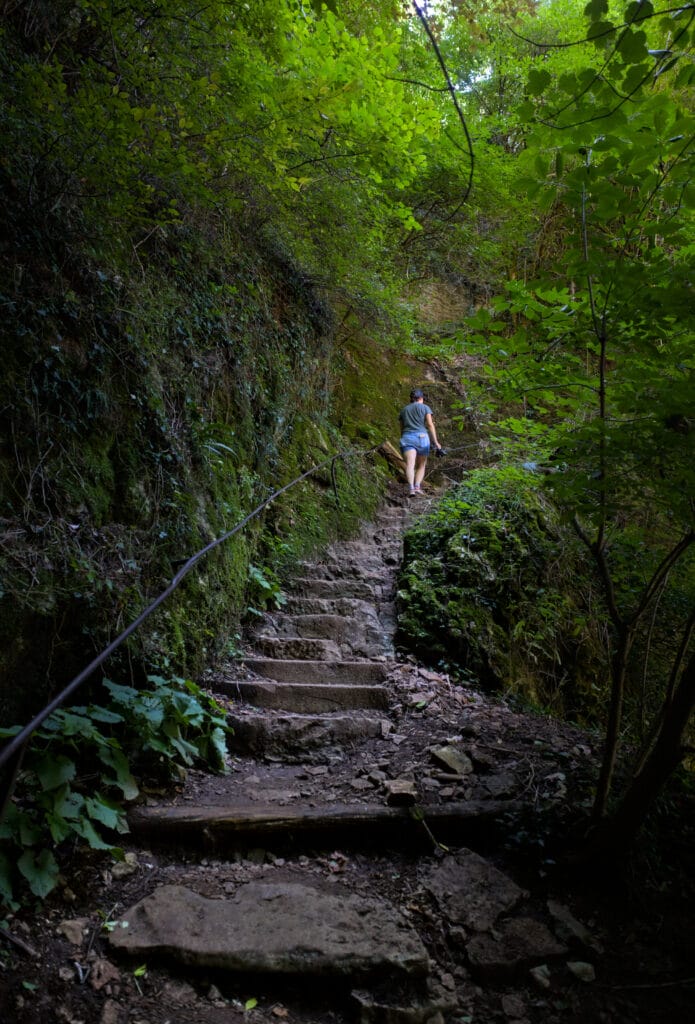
column 417, row 428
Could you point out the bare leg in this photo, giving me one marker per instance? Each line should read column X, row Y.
column 409, row 456
column 420, row 466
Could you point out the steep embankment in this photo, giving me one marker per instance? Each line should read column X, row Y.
column 144, row 414
column 184, row 314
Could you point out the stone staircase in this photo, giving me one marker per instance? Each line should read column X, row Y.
column 375, row 855
column 316, row 672
column 320, row 860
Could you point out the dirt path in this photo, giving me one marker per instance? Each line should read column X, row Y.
column 379, row 852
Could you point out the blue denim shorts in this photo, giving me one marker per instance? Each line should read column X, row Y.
column 414, row 439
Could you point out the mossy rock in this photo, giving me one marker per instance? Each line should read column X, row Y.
column 495, row 588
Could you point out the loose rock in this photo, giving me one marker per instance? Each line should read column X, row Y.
column 400, row 792
column 74, row 930
column 570, row 927
column 583, row 971
column 470, row 891
column 515, row 944
column 128, row 866
column 453, row 758
column 541, row 976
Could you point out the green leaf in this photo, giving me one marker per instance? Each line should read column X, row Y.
column 538, row 81
column 116, row 759
column 106, row 812
column 54, row 771
column 599, row 31
column 67, row 803
column 635, row 76
column 218, row 744
column 125, row 695
column 84, row 828
column 105, row 715
column 59, row 827
column 29, row 830
column 40, row 871
column 595, row 8
column 639, row 10
column 632, row 46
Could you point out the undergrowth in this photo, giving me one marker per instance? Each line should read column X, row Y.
column 82, row 768
column 495, row 587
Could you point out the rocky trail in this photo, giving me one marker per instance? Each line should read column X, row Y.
column 378, row 852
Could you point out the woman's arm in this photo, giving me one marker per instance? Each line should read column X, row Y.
column 429, row 423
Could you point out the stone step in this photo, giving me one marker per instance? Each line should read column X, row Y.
column 225, row 828
column 297, row 736
column 300, row 648
column 305, row 698
column 344, row 606
column 358, row 553
column 375, row 571
column 353, row 638
column 325, row 626
column 346, row 673
column 332, row 588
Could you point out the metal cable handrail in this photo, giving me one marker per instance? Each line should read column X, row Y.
column 17, row 743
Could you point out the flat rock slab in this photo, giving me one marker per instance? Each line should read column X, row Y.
column 285, row 928
column 472, row 892
column 520, row 942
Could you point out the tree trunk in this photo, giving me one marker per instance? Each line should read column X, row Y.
column 612, row 837
column 615, row 713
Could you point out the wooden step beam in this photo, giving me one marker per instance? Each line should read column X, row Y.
column 354, row 825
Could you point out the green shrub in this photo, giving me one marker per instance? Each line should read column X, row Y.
column 78, row 772
column 497, row 589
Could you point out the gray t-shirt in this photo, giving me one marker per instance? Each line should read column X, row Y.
column 412, row 417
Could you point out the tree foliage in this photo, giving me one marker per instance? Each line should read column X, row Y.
column 596, row 349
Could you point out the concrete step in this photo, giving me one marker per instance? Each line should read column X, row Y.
column 305, row 698
column 299, row 736
column 363, row 552
column 325, row 626
column 346, row 673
